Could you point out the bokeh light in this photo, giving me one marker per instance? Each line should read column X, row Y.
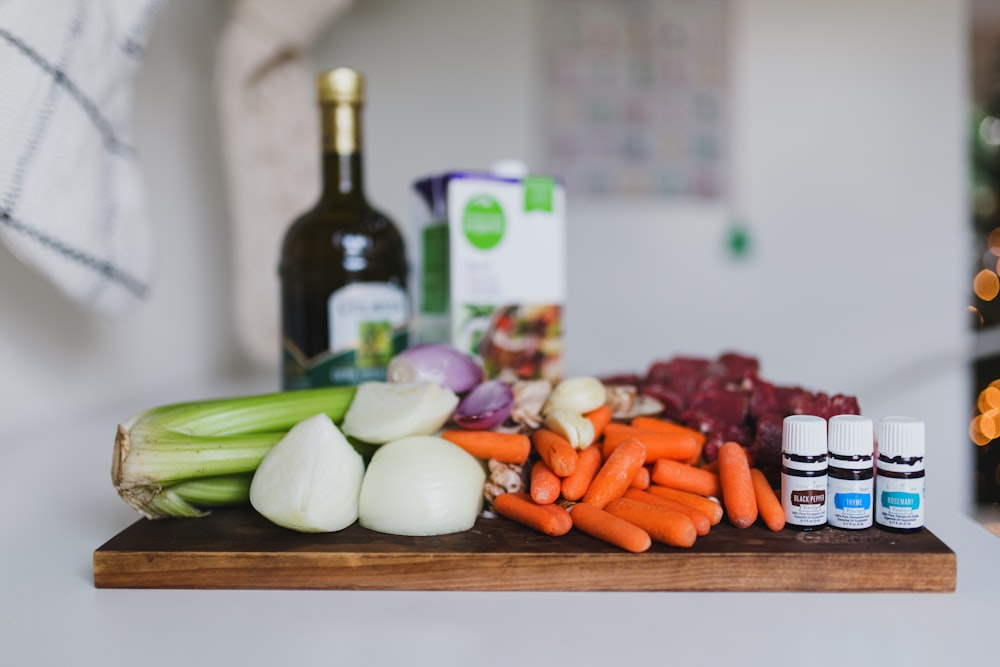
column 986, row 285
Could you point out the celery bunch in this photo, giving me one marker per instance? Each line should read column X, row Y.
column 176, row 460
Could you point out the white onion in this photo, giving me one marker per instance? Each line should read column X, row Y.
column 383, row 411
column 310, row 481
column 421, row 485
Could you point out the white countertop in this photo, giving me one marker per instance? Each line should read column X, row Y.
column 57, row 505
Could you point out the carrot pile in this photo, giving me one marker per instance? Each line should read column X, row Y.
column 639, row 482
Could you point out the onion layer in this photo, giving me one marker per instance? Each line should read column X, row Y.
column 487, row 406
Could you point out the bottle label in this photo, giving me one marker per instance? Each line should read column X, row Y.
column 804, row 499
column 363, row 319
column 368, row 325
column 851, row 503
column 899, row 502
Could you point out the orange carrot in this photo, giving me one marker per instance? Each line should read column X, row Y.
column 598, row 523
column 700, row 521
column 663, row 525
column 588, row 462
column 641, row 479
column 657, row 424
column 767, row 501
column 616, row 474
column 709, row 508
column 555, row 450
column 677, row 475
column 504, row 447
column 659, row 444
column 712, row 466
column 548, row 519
column 600, row 417
column 544, row 484
column 737, row 485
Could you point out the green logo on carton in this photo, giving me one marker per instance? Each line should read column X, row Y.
column 483, row 222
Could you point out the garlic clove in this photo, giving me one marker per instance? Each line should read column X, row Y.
column 579, row 395
column 576, row 428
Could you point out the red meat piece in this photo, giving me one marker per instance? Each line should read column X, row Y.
column 763, row 398
column 738, row 367
column 672, row 400
column 823, row 405
column 722, row 406
column 630, row 379
column 766, row 447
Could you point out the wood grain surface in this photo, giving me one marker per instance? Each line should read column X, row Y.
column 236, row 548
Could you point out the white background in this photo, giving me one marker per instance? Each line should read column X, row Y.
column 849, row 123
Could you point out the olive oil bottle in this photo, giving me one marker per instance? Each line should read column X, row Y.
column 345, row 308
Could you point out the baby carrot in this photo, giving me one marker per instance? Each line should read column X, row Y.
column 737, row 485
column 677, row 475
column 555, row 450
column 504, row 447
column 699, row 520
column 588, row 462
column 600, row 418
column 659, row 445
column 767, row 501
column 543, row 484
column 548, row 519
column 712, row 466
column 663, row 525
column 641, row 479
column 657, row 424
column 608, row 528
column 709, row 508
column 616, row 474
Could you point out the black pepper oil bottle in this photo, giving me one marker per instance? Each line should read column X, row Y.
column 345, row 308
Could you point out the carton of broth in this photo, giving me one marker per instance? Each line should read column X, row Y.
column 491, row 269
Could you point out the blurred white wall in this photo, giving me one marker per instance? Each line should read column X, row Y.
column 848, row 158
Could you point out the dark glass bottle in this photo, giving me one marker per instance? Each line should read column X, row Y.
column 345, row 309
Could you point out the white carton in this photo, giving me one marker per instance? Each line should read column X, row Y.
column 491, row 270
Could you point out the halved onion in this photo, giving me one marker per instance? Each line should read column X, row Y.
column 310, row 480
column 423, row 485
column 383, row 411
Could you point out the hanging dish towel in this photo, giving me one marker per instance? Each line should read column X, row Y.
column 269, row 125
column 71, row 199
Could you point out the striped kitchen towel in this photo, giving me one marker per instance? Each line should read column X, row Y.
column 71, row 198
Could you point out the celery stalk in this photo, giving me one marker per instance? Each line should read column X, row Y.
column 175, row 459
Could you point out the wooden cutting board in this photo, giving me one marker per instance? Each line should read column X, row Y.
column 236, row 548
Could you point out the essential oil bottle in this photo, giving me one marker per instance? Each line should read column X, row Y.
column 804, row 471
column 899, row 483
column 851, row 481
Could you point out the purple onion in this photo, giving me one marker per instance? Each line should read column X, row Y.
column 487, row 406
column 435, row 362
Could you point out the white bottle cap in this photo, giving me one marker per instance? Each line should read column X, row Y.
column 902, row 437
column 803, row 435
column 509, row 168
column 851, row 435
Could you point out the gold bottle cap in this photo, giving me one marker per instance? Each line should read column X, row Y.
column 340, row 85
